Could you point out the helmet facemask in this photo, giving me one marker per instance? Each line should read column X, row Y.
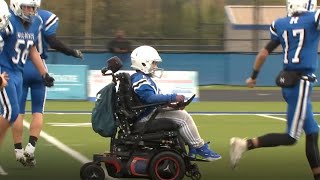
column 4, row 15
column 155, row 71
column 4, row 21
column 27, row 16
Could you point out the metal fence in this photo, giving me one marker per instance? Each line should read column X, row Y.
column 177, row 45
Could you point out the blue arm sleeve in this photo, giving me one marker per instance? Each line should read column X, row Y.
column 147, row 95
column 273, row 32
column 147, row 91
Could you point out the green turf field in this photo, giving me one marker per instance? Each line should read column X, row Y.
column 68, row 141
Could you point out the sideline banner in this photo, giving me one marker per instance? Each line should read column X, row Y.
column 179, row 82
column 70, row 82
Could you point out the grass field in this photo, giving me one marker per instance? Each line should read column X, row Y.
column 68, row 140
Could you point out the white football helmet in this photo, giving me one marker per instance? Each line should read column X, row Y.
column 38, row 2
column 298, row 6
column 4, row 14
column 142, row 58
column 16, row 7
column 312, row 5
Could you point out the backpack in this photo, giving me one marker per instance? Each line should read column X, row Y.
column 102, row 118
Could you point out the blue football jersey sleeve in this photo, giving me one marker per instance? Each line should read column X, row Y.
column 50, row 22
column 299, row 37
column 147, row 90
column 273, row 33
column 50, row 26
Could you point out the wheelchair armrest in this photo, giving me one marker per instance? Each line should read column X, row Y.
column 148, row 105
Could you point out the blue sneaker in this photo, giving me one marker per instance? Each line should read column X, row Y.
column 204, row 153
column 192, row 152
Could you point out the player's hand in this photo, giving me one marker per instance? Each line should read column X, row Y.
column 78, row 54
column 5, row 77
column 180, row 98
column 251, row 83
column 48, row 80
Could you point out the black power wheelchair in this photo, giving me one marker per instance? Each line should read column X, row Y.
column 152, row 150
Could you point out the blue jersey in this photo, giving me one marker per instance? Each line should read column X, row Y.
column 148, row 92
column 31, row 77
column 299, row 37
column 18, row 41
column 49, row 27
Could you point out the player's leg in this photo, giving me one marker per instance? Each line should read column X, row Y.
column 312, row 153
column 17, row 127
column 38, row 95
column 312, row 132
column 4, row 125
column 189, row 131
column 296, row 106
column 9, row 98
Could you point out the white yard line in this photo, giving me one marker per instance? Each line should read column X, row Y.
column 277, row 118
column 272, row 117
column 75, row 154
column 3, row 172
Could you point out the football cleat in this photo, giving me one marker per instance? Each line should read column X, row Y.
column 20, row 156
column 237, row 147
column 29, row 155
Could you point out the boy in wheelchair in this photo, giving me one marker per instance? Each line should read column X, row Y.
column 144, row 60
column 148, row 137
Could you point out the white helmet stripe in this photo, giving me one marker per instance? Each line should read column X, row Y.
column 309, row 5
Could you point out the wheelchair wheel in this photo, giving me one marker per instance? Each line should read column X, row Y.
column 93, row 171
column 193, row 172
column 167, row 165
column 82, row 170
column 112, row 171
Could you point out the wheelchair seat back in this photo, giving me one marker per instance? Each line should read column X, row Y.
column 128, row 114
column 127, row 99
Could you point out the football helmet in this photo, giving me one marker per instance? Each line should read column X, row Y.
column 142, row 59
column 298, row 6
column 16, row 7
column 38, row 3
column 4, row 15
column 312, row 5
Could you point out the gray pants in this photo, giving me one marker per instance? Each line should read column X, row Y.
column 188, row 129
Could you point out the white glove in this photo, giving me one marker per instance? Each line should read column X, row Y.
column 78, row 54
